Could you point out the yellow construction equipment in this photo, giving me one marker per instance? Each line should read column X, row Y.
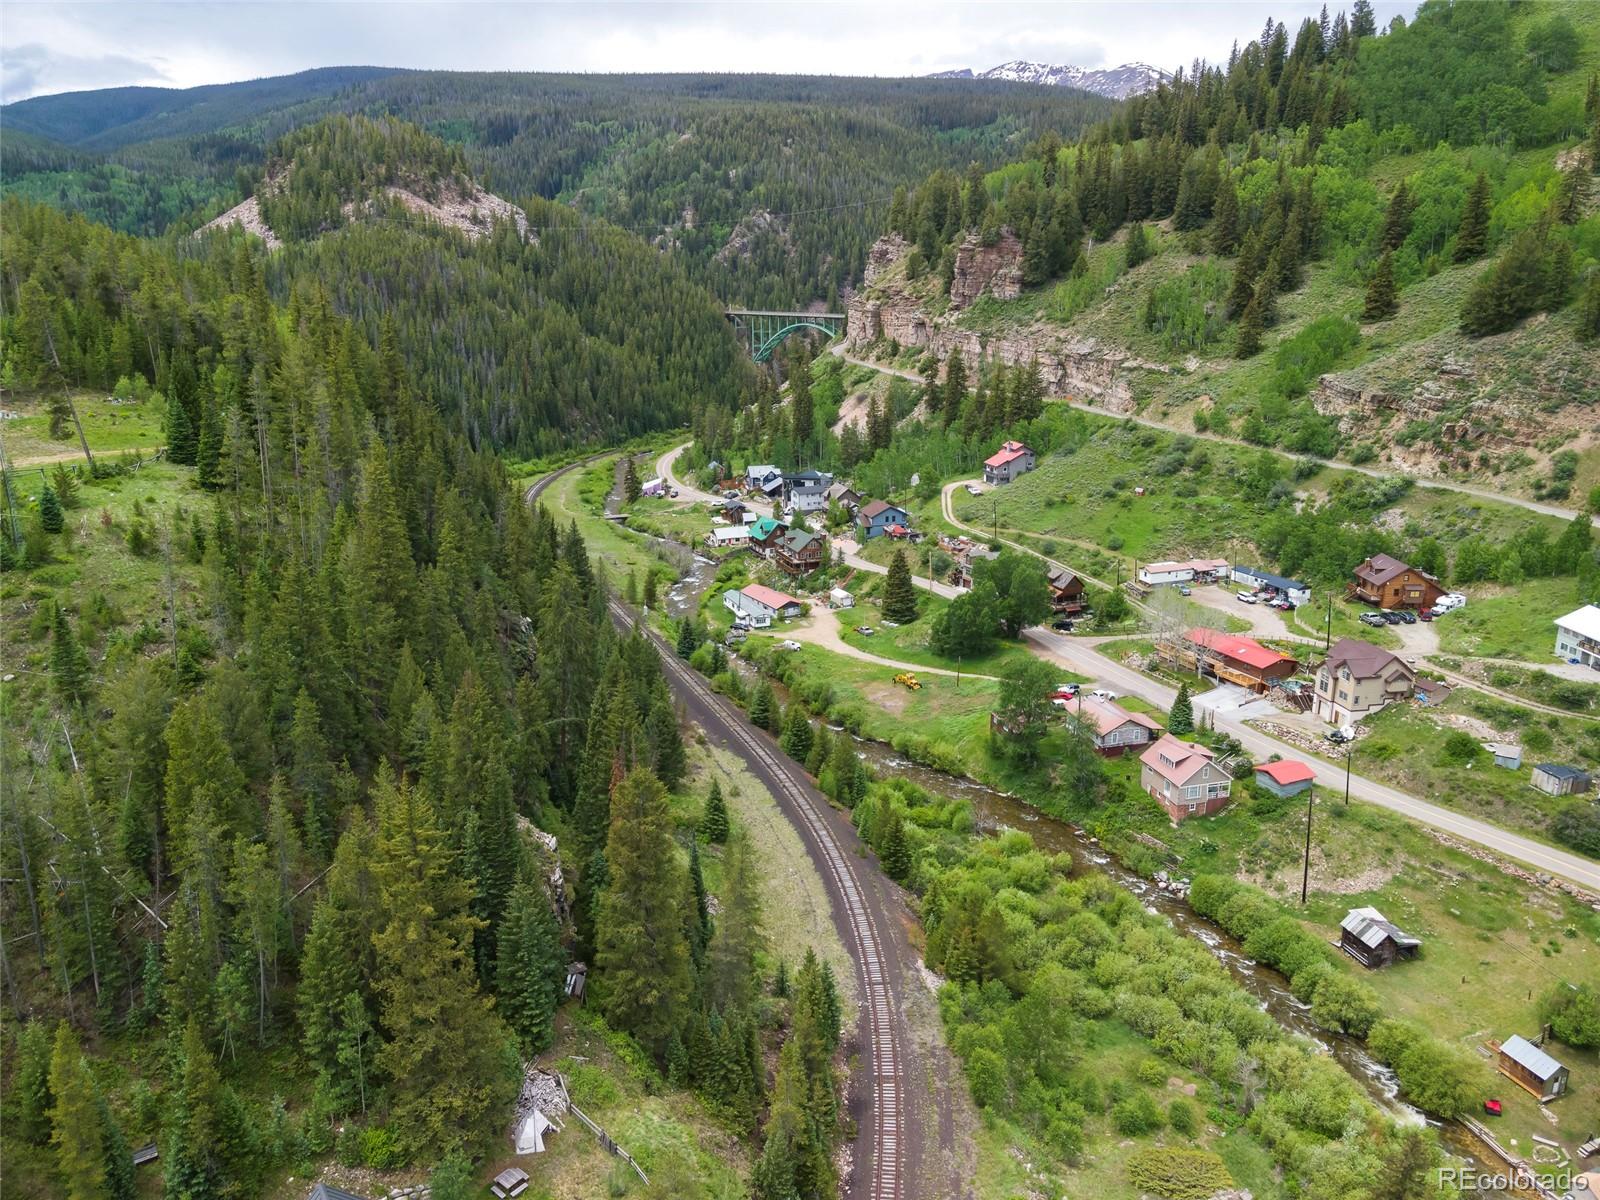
column 907, row 679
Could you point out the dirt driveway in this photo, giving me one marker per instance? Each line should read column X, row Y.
column 821, row 628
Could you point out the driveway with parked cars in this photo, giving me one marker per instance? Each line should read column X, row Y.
column 1264, row 621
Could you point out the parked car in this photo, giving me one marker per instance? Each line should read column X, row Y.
column 865, row 630
column 1061, row 626
column 1372, row 619
column 788, row 644
column 1103, row 694
column 1391, row 617
column 1407, row 617
column 1247, row 598
column 1185, row 590
column 1345, row 733
column 1426, row 614
column 673, row 492
column 891, row 624
column 1067, row 690
column 974, row 490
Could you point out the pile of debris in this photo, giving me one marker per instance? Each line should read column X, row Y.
column 540, row 1090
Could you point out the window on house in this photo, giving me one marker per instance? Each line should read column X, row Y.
column 1191, row 792
column 1192, row 807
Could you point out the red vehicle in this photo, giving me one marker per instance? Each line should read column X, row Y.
column 1492, row 1107
column 1426, row 614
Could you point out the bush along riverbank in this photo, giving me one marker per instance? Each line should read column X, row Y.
column 1105, row 1050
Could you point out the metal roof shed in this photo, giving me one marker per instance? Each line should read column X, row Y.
column 1526, row 1064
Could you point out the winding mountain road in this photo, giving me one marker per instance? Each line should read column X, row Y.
column 1442, row 485
column 914, row 1115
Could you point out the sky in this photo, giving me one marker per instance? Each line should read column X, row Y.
column 62, row 47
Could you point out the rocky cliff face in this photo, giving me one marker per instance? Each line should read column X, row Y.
column 995, row 269
column 1080, row 368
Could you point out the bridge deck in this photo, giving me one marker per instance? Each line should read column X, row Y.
column 767, row 312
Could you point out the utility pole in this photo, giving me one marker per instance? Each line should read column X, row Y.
column 1349, row 753
column 1327, row 642
column 1305, row 873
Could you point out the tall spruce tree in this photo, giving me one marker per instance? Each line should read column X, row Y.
column 1180, row 719
column 899, row 593
column 955, row 385
column 183, row 439
column 737, row 940
column 641, row 952
column 530, row 967
column 714, row 820
column 632, row 489
column 1381, row 300
column 76, row 1128
column 51, row 518
column 1473, row 233
column 69, row 665
column 1397, row 218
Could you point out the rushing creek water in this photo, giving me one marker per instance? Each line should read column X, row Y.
column 994, row 811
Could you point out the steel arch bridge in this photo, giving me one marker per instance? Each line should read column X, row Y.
column 763, row 331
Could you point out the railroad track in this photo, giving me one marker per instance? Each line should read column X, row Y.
column 856, row 918
column 886, row 1101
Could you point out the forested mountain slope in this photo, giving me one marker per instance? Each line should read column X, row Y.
column 772, row 187
column 578, row 333
column 1377, row 244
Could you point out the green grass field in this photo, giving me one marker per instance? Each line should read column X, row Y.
column 109, row 426
column 1516, row 623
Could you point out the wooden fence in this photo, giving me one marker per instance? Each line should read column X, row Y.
column 594, row 1128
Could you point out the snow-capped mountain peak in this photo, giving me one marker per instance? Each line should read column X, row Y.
column 1116, row 82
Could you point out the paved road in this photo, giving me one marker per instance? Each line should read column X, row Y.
column 1442, row 485
column 664, row 469
column 1086, row 660
column 915, row 1115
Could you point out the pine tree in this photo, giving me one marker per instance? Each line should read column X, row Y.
column 1397, row 220
column 632, row 489
column 528, row 973
column 1589, row 309
column 955, row 385
column 714, row 821
column 896, row 852
column 65, row 484
column 802, row 410
column 700, row 928
column 69, row 665
column 1381, row 301
column 1139, row 247
column 1180, row 719
column 1252, row 322
column 120, row 1182
column 1473, row 233
column 182, row 438
column 208, row 450
column 731, row 960
column 1594, row 146
column 1225, row 222
column 192, row 1161
column 1572, row 195
column 688, row 638
column 667, row 756
column 30, row 1086
column 764, row 708
column 647, row 594
column 51, row 518
column 641, row 953
column 446, row 1053
column 899, row 593
column 796, row 740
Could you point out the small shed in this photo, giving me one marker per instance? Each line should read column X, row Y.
column 1286, row 777
column 1561, row 780
column 326, row 1191
column 1526, row 1065
column 1367, row 936
column 1505, row 755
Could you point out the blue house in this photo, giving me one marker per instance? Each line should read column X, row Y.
column 875, row 518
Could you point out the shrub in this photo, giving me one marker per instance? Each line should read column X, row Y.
column 1345, row 1003
column 1458, row 748
column 1183, row 1118
column 1136, row 1115
column 1178, row 1174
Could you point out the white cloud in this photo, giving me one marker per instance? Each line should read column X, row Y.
column 62, row 47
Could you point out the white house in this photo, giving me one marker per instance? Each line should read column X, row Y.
column 1293, row 590
column 1006, row 463
column 728, row 537
column 808, row 497
column 654, row 487
column 1204, row 569
column 1578, row 635
column 760, row 604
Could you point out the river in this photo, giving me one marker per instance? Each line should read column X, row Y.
column 995, row 811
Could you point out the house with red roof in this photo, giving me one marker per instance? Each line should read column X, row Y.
column 1006, row 463
column 1286, row 777
column 759, row 604
column 1235, row 659
column 1184, row 778
column 1112, row 728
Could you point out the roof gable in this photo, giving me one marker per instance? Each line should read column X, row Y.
column 1187, row 758
column 1364, row 660
column 771, row 597
column 878, row 507
column 1525, row 1054
column 1242, row 649
column 1286, row 771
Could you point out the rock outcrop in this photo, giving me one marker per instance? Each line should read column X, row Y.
column 1078, row 367
column 980, row 268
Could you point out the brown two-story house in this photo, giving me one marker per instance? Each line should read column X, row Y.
column 1389, row 583
column 1359, row 678
column 798, row 552
column 1184, row 778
